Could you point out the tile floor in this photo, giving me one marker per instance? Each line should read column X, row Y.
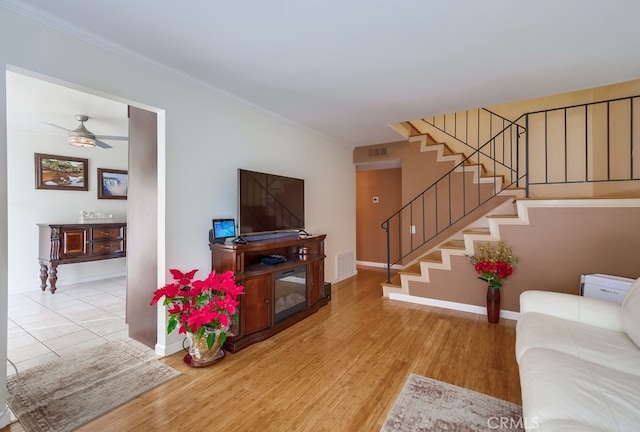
column 44, row 326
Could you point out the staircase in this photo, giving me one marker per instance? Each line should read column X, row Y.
column 473, row 186
column 483, row 230
column 499, row 204
column 488, row 188
column 461, row 163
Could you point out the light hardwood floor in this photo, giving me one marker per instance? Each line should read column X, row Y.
column 341, row 369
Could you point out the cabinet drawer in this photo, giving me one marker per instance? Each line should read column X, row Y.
column 107, row 233
column 107, row 247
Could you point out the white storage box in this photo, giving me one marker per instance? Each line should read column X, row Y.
column 605, row 287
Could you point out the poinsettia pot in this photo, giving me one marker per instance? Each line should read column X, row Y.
column 206, row 349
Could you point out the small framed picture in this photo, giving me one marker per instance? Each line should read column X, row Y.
column 61, row 172
column 112, row 183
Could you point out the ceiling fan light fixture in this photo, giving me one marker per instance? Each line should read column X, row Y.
column 82, row 141
column 80, row 136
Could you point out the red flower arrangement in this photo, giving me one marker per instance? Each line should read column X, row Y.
column 493, row 264
column 200, row 304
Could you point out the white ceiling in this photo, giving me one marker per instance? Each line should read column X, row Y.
column 349, row 68
column 35, row 103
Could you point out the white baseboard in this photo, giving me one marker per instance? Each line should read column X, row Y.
column 480, row 310
column 344, row 277
column 167, row 350
column 63, row 281
column 7, row 418
column 89, row 278
column 378, row 264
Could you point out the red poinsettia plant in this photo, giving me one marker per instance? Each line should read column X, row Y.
column 200, row 304
column 493, row 263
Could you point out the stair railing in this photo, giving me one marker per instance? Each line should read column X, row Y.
column 588, row 143
column 471, row 128
column 434, row 210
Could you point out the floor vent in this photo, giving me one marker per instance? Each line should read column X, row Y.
column 345, row 265
column 381, row 151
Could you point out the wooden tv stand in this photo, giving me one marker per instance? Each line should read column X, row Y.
column 257, row 320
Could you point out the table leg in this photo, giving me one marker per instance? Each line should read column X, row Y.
column 44, row 270
column 53, row 277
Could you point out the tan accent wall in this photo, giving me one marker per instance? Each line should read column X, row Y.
column 386, row 185
column 556, row 247
column 420, row 169
column 400, row 185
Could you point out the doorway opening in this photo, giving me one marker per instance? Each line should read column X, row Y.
column 30, row 116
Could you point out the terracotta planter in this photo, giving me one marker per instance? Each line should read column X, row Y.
column 493, row 304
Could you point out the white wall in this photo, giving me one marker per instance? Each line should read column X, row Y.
column 208, row 136
column 4, row 420
column 28, row 206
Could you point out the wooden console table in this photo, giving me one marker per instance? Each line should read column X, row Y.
column 259, row 318
column 77, row 243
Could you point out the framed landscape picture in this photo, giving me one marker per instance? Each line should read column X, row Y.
column 112, row 184
column 61, row 172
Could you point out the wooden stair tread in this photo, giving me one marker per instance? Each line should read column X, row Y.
column 492, row 176
column 453, row 244
column 414, row 129
column 446, row 149
column 413, row 269
column 477, row 231
column 498, row 216
column 435, row 257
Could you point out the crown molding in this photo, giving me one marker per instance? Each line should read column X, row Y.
column 64, row 26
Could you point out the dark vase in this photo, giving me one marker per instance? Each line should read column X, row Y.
column 493, row 304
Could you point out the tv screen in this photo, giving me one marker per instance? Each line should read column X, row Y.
column 269, row 202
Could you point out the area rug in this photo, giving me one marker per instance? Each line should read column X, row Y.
column 69, row 392
column 426, row 404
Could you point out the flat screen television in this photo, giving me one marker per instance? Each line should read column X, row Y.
column 269, row 202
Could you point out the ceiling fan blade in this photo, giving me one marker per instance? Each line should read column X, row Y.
column 102, row 144
column 112, row 137
column 55, row 125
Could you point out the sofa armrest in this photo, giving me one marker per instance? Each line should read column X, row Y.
column 586, row 310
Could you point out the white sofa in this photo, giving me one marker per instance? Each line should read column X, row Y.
column 579, row 361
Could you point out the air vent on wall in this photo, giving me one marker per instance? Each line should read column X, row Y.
column 376, row 152
column 345, row 265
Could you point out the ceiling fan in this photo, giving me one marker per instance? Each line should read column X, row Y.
column 82, row 137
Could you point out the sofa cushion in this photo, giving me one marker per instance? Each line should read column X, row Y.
column 560, row 388
column 572, row 307
column 631, row 312
column 601, row 346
